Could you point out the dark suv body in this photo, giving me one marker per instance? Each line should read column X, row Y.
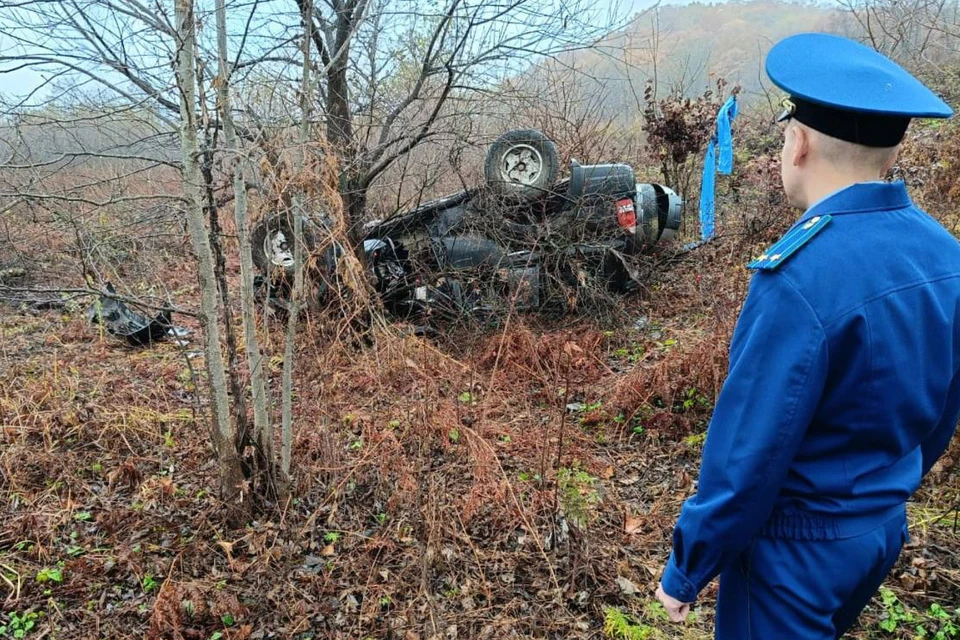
column 524, row 240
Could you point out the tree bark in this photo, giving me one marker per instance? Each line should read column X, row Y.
column 263, row 431
column 212, row 213
column 353, row 193
column 299, row 213
column 222, row 431
column 339, row 117
column 339, row 125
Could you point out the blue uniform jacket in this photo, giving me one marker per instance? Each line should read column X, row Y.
column 843, row 387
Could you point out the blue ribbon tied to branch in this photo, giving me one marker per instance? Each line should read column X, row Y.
column 721, row 140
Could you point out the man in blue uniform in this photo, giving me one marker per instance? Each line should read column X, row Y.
column 844, row 381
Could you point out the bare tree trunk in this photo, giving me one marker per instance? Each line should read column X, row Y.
column 222, row 430
column 299, row 211
column 212, row 214
column 340, row 127
column 340, row 132
column 354, row 196
column 261, row 418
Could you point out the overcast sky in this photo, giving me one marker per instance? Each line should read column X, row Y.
column 22, row 81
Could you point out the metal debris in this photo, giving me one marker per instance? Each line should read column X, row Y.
column 120, row 321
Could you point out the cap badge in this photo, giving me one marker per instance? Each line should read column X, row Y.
column 788, row 107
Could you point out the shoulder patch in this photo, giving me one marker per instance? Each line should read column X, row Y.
column 789, row 244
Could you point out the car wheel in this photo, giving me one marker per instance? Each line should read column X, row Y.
column 272, row 243
column 521, row 164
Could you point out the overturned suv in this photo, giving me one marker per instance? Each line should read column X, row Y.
column 525, row 239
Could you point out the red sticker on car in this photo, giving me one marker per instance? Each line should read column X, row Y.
column 627, row 215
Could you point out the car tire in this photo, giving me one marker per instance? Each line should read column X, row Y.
column 272, row 243
column 521, row 165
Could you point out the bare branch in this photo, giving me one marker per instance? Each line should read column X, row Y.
column 425, row 72
column 26, row 196
column 421, row 135
column 90, row 154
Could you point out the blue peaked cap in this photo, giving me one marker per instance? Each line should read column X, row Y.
column 848, row 90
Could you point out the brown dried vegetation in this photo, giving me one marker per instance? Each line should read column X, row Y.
column 483, row 485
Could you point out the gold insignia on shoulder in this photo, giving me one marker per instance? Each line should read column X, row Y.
column 780, row 252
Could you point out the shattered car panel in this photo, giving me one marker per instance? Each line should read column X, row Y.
column 120, row 321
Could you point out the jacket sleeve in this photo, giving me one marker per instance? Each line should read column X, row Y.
column 936, row 443
column 778, row 365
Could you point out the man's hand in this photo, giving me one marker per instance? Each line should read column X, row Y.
column 675, row 609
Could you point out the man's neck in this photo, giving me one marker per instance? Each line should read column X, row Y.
column 831, row 183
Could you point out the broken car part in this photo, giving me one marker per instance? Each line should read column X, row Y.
column 119, row 320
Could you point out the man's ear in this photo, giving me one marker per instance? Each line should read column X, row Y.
column 801, row 145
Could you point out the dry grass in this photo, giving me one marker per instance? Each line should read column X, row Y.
column 426, row 487
column 442, row 489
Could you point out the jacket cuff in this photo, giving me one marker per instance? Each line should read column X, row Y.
column 675, row 584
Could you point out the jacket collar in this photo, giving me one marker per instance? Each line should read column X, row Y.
column 860, row 198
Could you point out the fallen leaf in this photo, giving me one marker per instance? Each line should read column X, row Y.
column 607, row 473
column 328, row 551
column 241, row 633
column 908, row 581
column 632, row 524
column 570, row 348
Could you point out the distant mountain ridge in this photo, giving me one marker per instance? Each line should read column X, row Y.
column 688, row 45
column 698, row 42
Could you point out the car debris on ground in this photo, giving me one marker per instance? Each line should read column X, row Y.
column 138, row 330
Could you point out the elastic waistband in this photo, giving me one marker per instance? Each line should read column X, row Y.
column 799, row 525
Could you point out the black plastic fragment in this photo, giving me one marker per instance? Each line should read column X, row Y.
column 122, row 322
